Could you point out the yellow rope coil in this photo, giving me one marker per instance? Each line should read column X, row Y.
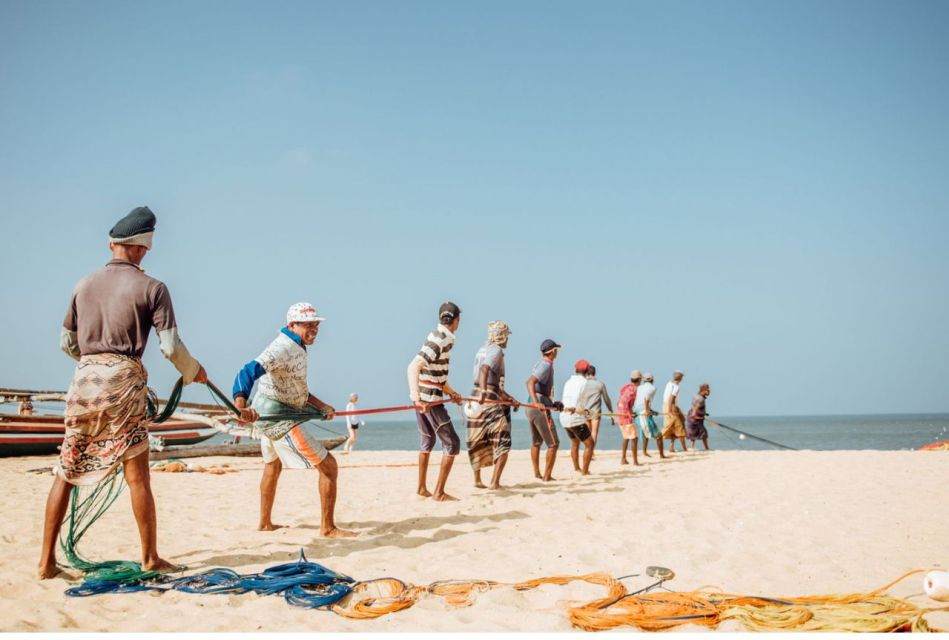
column 873, row 612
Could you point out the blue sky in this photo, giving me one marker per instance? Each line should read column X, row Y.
column 754, row 192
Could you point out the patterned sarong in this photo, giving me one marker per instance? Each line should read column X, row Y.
column 674, row 423
column 105, row 417
column 489, row 436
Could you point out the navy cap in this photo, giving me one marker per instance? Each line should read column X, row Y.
column 139, row 220
column 448, row 312
column 547, row 345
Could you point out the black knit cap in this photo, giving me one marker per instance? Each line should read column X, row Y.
column 448, row 312
column 139, row 220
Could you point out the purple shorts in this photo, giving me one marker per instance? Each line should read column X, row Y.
column 437, row 422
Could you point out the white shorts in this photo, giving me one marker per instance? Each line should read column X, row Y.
column 296, row 450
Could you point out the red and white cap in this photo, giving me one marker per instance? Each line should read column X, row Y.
column 303, row 312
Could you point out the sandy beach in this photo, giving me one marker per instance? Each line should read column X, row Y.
column 759, row 523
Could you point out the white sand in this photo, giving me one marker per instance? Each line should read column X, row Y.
column 763, row 523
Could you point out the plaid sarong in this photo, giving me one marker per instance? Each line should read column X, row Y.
column 489, row 436
column 105, row 417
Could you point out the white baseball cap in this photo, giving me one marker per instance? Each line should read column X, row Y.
column 303, row 312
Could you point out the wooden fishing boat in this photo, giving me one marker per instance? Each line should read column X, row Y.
column 33, row 435
column 43, row 434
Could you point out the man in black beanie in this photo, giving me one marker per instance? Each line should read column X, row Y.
column 106, row 329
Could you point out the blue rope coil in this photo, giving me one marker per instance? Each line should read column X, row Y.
column 302, row 583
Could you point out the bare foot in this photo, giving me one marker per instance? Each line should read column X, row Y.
column 538, row 476
column 445, row 498
column 46, row 572
column 624, row 461
column 498, row 487
column 584, row 473
column 663, row 457
column 160, row 565
column 424, row 493
column 638, row 464
column 269, row 526
column 339, row 533
column 480, row 485
column 550, row 479
column 646, row 454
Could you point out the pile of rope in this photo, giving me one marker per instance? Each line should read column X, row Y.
column 311, row 585
column 86, row 505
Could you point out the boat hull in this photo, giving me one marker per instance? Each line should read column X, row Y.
column 43, row 435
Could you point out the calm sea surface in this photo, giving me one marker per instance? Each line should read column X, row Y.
column 883, row 432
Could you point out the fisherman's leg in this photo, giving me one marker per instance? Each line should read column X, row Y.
column 535, row 460
column 575, row 453
column 635, row 450
column 426, row 444
column 451, row 446
column 645, row 444
column 595, row 429
column 443, row 471
column 143, row 506
column 268, row 492
column 328, row 473
column 56, row 504
column 659, row 444
column 587, row 455
column 672, row 444
column 705, row 442
column 498, row 470
column 422, row 489
column 551, row 461
column 625, row 446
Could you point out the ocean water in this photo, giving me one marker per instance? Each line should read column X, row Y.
column 880, row 432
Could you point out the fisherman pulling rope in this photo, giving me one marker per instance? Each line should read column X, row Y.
column 106, row 329
column 489, row 426
column 280, row 372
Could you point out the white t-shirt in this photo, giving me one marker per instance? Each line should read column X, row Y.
column 672, row 389
column 285, row 381
column 572, row 389
column 351, row 419
column 646, row 391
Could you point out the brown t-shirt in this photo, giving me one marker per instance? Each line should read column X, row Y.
column 114, row 309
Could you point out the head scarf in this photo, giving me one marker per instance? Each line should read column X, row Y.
column 497, row 331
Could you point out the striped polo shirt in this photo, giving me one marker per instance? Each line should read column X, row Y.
column 434, row 373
